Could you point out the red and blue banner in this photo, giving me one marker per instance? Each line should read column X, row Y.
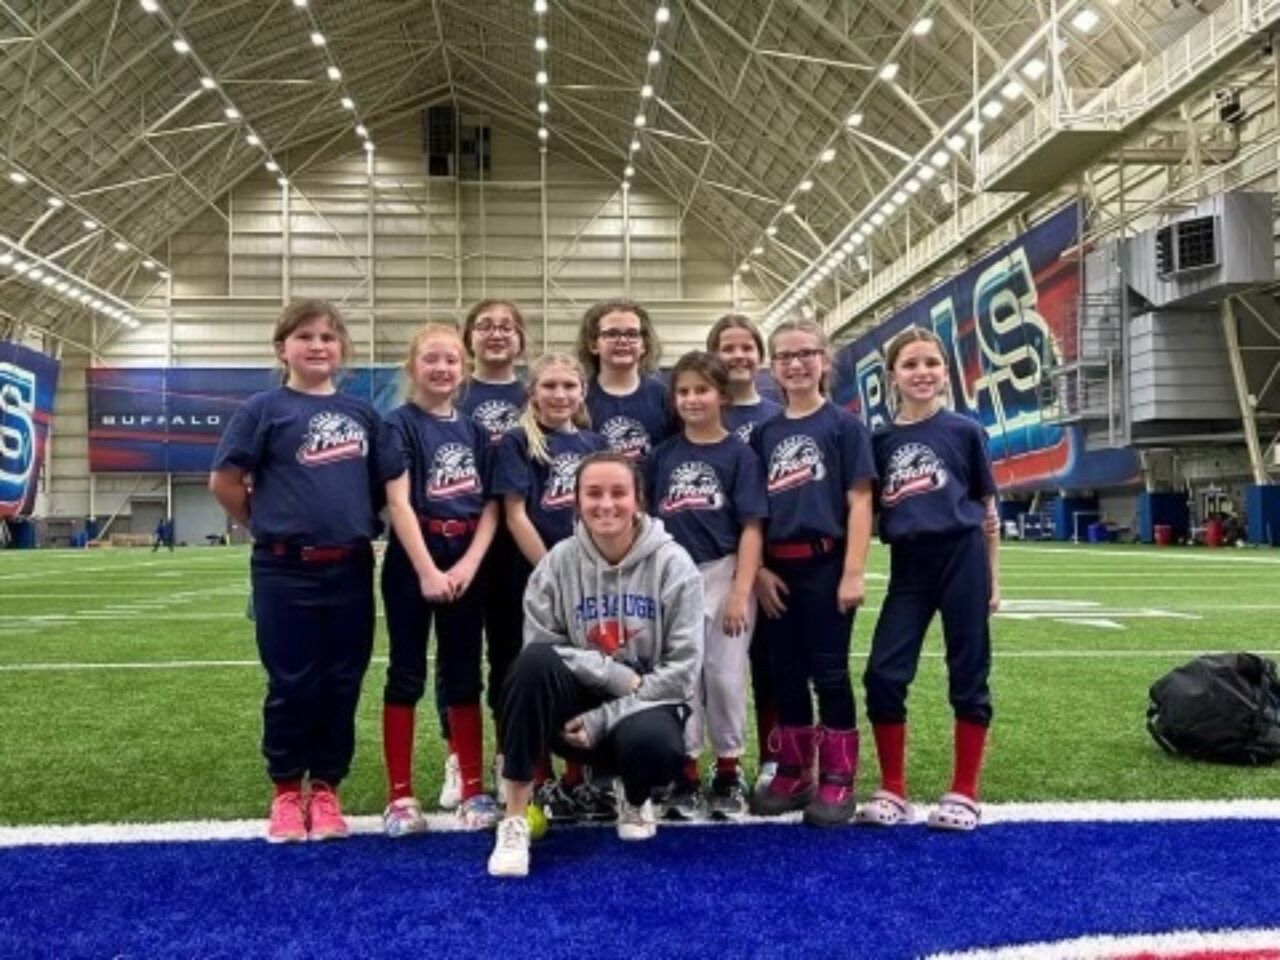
column 169, row 419
column 28, row 383
column 1003, row 323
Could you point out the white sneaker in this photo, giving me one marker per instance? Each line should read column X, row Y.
column 634, row 823
column 451, row 789
column 499, row 785
column 510, row 857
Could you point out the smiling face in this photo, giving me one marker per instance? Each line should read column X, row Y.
column 698, row 402
column 556, row 395
column 619, row 341
column 919, row 373
column 312, row 352
column 607, row 500
column 737, row 349
column 799, row 363
column 496, row 339
column 437, row 368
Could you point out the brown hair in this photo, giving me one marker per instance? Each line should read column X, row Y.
column 469, row 324
column 589, row 331
column 908, row 335
column 706, row 365
column 608, row 456
column 299, row 312
column 734, row 321
column 529, row 417
column 814, row 329
column 425, row 333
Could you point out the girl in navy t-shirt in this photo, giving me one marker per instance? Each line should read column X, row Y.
column 707, row 487
column 739, row 345
column 936, row 496
column 818, row 473
column 443, row 522
column 318, row 462
column 494, row 396
column 619, row 349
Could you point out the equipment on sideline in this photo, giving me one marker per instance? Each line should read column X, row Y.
column 1224, row 707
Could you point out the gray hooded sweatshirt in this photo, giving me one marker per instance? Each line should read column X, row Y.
column 609, row 623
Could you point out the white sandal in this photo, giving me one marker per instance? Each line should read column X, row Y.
column 884, row 808
column 955, row 812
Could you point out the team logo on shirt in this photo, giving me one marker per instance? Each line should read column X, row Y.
column 626, row 436
column 913, row 469
column 496, row 417
column 331, row 438
column 743, row 432
column 453, row 472
column 692, row 486
column 797, row 460
column 562, row 476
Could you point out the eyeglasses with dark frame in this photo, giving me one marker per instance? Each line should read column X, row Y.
column 786, row 356
column 615, row 334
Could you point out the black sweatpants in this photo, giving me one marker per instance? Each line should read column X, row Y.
column 949, row 575
column 314, row 625
column 808, row 646
column 646, row 749
column 409, row 617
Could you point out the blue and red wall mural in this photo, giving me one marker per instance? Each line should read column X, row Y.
column 1003, row 321
column 28, row 383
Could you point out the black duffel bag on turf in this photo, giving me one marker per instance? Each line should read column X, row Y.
column 1224, row 707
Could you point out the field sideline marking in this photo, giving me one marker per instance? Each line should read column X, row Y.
column 1141, row 811
column 1172, row 944
column 1112, row 554
column 70, row 666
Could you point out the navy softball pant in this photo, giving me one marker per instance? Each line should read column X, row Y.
column 315, row 636
column 459, row 626
column 808, row 646
column 947, row 575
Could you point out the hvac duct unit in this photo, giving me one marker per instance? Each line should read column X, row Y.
column 1222, row 247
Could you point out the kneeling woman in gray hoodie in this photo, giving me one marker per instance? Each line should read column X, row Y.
column 612, row 650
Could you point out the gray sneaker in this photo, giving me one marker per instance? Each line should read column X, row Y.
column 727, row 798
column 685, row 801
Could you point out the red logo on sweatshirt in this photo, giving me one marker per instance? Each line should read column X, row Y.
column 609, row 637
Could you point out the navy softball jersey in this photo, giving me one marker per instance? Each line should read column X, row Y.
column 448, row 460
column 495, row 407
column 934, row 476
column 318, row 463
column 744, row 418
column 705, row 492
column 633, row 424
column 548, row 488
column 810, row 464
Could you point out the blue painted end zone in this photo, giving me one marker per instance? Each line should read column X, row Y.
column 753, row 891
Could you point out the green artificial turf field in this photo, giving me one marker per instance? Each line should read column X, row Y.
column 129, row 688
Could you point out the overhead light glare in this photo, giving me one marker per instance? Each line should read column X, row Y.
column 1085, row 20
column 18, row 177
column 1012, row 90
column 1034, row 68
column 56, row 203
column 922, row 26
column 232, row 113
column 347, row 103
column 804, row 186
column 209, row 83
column 334, row 73
column 541, row 78
column 640, row 120
column 956, row 143
column 646, row 91
column 121, row 246
column 853, row 120
column 888, row 72
column 150, row 6
column 540, row 44
column 654, row 57
column 317, row 38
column 662, row 14
column 827, row 155
column 89, row 224
column 543, row 133
column 992, row 109
column 181, row 46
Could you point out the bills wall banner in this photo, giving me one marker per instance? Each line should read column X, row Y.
column 28, row 382
column 169, row 419
column 1003, row 323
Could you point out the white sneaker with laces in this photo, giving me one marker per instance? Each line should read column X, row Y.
column 499, row 785
column 634, row 823
column 451, row 789
column 510, row 857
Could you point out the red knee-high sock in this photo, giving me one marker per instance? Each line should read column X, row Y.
column 573, row 774
column 288, row 786
column 466, row 725
column 766, row 720
column 971, row 741
column 691, row 773
column 397, row 749
column 891, row 749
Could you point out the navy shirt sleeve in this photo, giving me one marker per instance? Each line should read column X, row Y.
column 511, row 473
column 242, row 442
column 748, row 496
column 982, row 481
column 856, row 459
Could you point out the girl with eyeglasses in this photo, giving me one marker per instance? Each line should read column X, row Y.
column 619, row 348
column 818, row 475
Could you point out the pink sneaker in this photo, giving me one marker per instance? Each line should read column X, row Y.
column 288, row 819
column 326, row 815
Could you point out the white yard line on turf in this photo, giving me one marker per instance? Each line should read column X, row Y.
column 199, row 830
column 1184, row 942
column 1110, row 553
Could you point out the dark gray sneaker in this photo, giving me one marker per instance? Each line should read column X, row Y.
column 685, row 801
column 728, row 797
